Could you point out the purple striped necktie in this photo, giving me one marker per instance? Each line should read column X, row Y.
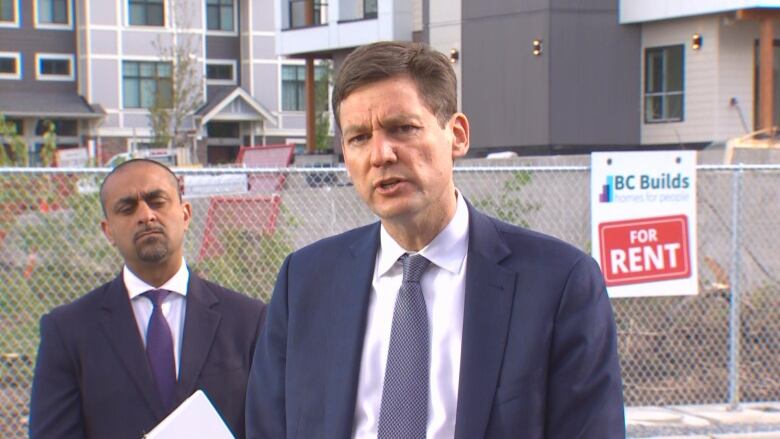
column 159, row 349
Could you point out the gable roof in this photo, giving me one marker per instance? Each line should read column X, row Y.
column 234, row 104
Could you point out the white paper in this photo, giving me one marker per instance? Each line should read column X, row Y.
column 195, row 418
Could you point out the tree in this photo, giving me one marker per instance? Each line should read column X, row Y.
column 177, row 100
column 49, row 150
column 322, row 121
column 8, row 135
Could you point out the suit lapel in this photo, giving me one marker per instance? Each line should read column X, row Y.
column 348, row 305
column 487, row 311
column 200, row 327
column 118, row 323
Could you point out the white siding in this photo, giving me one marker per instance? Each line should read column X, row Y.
column 700, row 80
column 736, row 69
column 417, row 15
column 635, row 11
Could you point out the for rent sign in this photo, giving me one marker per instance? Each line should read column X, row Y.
column 643, row 207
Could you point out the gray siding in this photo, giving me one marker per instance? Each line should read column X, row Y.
column 581, row 93
column 505, row 88
column 594, row 80
column 28, row 41
column 222, row 47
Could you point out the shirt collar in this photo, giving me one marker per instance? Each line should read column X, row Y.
column 177, row 284
column 447, row 250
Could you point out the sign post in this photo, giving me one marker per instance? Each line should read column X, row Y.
column 643, row 221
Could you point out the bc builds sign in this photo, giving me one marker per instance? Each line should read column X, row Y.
column 643, row 221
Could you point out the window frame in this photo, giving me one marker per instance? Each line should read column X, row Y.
column 163, row 24
column 15, row 21
column 302, row 82
column 231, row 32
column 157, row 78
column 54, row 26
column 664, row 94
column 55, row 56
column 223, row 62
column 18, row 74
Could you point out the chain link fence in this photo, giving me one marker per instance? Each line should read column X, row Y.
column 722, row 345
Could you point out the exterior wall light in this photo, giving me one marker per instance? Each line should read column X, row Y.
column 454, row 55
column 536, row 47
column 696, row 41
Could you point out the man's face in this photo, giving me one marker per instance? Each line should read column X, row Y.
column 145, row 219
column 398, row 156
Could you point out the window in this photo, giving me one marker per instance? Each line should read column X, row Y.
column 294, row 88
column 219, row 15
column 9, row 15
column 54, row 67
column 221, row 72
column 146, row 83
column 369, row 8
column 10, row 65
column 664, row 84
column 146, row 13
column 53, row 12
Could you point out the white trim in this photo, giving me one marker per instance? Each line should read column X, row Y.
column 219, row 32
column 53, row 26
column 55, row 56
column 18, row 57
column 222, row 62
column 15, row 22
column 147, row 27
column 239, row 92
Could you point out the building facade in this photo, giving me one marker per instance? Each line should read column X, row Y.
column 96, row 68
column 550, row 76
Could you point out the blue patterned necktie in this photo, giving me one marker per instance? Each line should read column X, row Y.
column 159, row 349
column 404, row 411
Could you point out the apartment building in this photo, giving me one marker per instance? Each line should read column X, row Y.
column 701, row 78
column 95, row 68
column 550, row 76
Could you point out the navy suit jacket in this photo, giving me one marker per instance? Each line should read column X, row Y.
column 538, row 360
column 92, row 378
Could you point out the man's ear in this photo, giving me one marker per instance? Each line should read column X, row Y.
column 106, row 230
column 459, row 127
column 187, row 209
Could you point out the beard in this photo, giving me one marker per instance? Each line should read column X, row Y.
column 153, row 248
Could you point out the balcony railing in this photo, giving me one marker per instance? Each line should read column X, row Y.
column 298, row 13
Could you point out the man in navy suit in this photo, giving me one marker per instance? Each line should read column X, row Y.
column 101, row 371
column 439, row 321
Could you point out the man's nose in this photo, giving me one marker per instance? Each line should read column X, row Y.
column 145, row 213
column 382, row 150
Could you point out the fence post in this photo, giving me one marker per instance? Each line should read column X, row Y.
column 734, row 301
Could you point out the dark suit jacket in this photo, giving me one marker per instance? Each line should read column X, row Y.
column 538, row 360
column 92, row 378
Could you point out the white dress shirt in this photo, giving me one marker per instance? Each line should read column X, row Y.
column 444, row 289
column 173, row 307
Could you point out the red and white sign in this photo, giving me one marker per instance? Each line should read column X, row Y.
column 643, row 250
column 643, row 222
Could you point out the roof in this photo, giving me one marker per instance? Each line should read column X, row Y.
column 27, row 103
column 234, row 104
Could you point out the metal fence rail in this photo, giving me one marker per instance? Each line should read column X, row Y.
column 722, row 345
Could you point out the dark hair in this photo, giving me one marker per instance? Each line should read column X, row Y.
column 123, row 165
column 428, row 68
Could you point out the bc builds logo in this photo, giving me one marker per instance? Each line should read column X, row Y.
column 642, row 182
column 607, row 194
